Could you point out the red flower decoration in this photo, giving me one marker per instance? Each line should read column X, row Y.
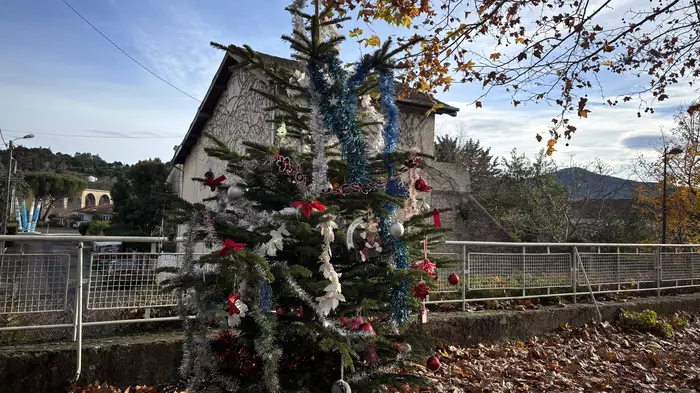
column 232, row 309
column 307, row 207
column 231, row 245
column 421, row 291
column 428, row 267
column 422, row 185
column 214, row 182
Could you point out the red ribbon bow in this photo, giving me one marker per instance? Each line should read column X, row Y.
column 421, row 291
column 436, row 218
column 422, row 185
column 307, row 207
column 211, row 182
column 231, row 245
column 232, row 309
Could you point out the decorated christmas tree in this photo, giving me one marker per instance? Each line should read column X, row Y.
column 320, row 241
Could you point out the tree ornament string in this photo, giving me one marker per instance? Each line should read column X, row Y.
column 333, row 296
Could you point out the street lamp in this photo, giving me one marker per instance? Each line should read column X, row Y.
column 10, row 148
column 667, row 153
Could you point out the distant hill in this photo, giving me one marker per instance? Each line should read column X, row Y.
column 83, row 165
column 583, row 183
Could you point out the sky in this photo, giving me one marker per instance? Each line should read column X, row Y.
column 65, row 83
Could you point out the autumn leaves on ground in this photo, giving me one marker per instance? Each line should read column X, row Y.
column 637, row 354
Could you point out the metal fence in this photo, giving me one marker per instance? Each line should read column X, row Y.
column 70, row 285
column 575, row 269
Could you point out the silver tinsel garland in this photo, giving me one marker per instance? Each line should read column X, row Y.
column 320, row 162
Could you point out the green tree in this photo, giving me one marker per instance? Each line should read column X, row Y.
column 141, row 199
column 285, row 244
column 476, row 159
column 50, row 187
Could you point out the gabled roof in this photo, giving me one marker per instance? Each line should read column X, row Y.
column 106, row 208
column 219, row 84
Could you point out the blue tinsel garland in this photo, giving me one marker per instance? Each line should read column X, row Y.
column 341, row 118
column 395, row 188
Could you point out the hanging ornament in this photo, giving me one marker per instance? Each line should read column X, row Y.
column 422, row 185
column 341, row 386
column 425, row 207
column 433, row 363
column 396, row 229
column 372, row 242
column 351, row 231
column 413, row 162
column 276, row 243
column 428, row 267
column 211, row 181
column 453, row 279
column 421, row 291
column 282, row 131
column 236, row 309
column 367, row 328
column 436, row 218
column 234, row 192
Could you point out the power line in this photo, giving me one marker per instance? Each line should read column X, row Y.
column 98, row 136
column 127, row 54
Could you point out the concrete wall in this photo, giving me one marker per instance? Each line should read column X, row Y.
column 153, row 359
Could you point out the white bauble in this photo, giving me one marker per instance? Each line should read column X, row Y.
column 341, row 386
column 235, row 192
column 396, row 229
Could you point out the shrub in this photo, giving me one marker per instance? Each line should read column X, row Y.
column 97, row 227
column 646, row 321
column 678, row 322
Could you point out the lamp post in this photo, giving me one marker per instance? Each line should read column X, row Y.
column 667, row 153
column 8, row 187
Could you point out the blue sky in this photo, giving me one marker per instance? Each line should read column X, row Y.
column 59, row 77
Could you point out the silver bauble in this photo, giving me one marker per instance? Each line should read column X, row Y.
column 341, row 387
column 425, row 208
column 235, row 192
column 396, row 229
column 327, row 186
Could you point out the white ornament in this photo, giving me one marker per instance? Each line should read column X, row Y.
column 333, row 101
column 425, row 208
column 366, row 101
column 277, row 242
column 341, row 386
column 396, row 229
column 282, row 131
column 235, row 192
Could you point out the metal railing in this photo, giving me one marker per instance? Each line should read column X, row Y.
column 68, row 286
column 541, row 270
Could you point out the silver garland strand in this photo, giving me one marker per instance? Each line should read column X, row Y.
column 320, row 139
column 401, row 358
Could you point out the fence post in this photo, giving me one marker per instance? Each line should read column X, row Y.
column 658, row 271
column 524, row 272
column 465, row 277
column 617, row 275
column 79, row 313
column 574, row 264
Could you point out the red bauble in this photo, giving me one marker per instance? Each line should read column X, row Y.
column 453, row 279
column 433, row 363
column 366, row 327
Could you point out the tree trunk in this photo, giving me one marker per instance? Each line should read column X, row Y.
column 48, row 208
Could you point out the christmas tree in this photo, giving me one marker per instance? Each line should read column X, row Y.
column 312, row 281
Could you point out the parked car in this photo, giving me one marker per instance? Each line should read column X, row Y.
column 124, row 274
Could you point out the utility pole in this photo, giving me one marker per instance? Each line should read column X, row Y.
column 8, row 186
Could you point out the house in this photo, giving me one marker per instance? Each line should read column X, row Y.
column 88, row 197
column 102, row 212
column 234, row 113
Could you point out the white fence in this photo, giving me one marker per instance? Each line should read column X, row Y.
column 574, row 269
column 32, row 284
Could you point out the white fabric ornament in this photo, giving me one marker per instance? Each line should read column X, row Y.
column 235, row 318
column 341, row 386
column 333, row 296
column 396, row 229
column 234, row 192
column 282, row 131
column 277, row 242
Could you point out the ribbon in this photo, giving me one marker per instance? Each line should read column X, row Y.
column 426, row 265
column 231, row 245
column 307, row 207
column 436, row 218
column 211, row 182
